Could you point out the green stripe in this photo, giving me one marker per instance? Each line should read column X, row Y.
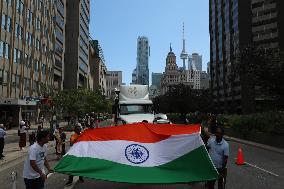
column 192, row 167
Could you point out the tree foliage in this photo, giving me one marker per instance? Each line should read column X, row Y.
column 183, row 99
column 261, row 75
column 79, row 102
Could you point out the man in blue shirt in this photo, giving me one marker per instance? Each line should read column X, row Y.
column 2, row 140
column 219, row 152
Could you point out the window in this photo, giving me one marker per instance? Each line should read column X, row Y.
column 38, row 24
column 19, row 31
column 17, row 81
column 9, row 2
column 43, row 69
column 37, row 44
column 34, row 85
column 27, row 37
column 6, row 22
column 20, row 7
column 16, row 55
column 29, row 16
column 2, row 49
column 7, row 51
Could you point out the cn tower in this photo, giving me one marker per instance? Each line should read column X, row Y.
column 183, row 55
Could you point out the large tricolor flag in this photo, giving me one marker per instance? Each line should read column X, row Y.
column 140, row 153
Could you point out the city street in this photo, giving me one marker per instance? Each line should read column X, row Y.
column 269, row 173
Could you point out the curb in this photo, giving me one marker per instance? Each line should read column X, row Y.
column 263, row 146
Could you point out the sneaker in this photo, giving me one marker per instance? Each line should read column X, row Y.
column 69, row 183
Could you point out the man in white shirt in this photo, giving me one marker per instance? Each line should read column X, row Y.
column 219, row 152
column 2, row 140
column 33, row 173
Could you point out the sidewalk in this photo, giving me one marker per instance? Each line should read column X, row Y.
column 263, row 146
column 11, row 150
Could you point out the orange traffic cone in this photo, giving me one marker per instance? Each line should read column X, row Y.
column 240, row 157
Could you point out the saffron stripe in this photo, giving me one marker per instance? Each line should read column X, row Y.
column 138, row 132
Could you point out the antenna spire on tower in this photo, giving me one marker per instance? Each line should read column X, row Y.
column 183, row 55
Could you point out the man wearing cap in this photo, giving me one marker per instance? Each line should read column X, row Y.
column 2, row 140
column 22, row 134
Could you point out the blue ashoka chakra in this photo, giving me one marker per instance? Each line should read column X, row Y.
column 136, row 153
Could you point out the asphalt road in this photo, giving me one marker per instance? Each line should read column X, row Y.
column 265, row 171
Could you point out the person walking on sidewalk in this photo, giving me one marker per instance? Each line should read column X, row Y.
column 218, row 149
column 22, row 132
column 33, row 173
column 2, row 140
column 73, row 139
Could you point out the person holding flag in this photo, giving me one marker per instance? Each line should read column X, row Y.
column 73, row 139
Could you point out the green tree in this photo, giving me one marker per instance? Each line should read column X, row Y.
column 261, row 75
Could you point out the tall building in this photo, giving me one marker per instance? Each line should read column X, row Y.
column 235, row 24
column 230, row 31
column 156, row 79
column 195, row 62
column 142, row 68
column 59, row 43
column 98, row 70
column 113, row 80
column 183, row 55
column 76, row 59
column 26, row 56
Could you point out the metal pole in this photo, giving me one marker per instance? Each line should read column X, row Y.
column 14, row 179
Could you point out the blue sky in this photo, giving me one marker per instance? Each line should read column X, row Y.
column 118, row 23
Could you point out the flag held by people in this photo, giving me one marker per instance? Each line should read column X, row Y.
column 140, row 153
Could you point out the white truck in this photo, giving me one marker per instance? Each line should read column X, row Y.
column 134, row 105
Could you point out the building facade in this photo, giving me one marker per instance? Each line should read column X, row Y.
column 204, row 80
column 267, row 24
column 76, row 59
column 141, row 74
column 156, row 79
column 113, row 80
column 59, row 43
column 26, row 56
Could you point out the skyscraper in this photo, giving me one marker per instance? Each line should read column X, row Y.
column 230, row 31
column 77, row 68
column 142, row 68
column 195, row 62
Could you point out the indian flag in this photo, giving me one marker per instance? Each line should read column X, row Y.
column 140, row 153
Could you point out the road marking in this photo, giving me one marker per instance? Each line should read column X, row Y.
column 255, row 166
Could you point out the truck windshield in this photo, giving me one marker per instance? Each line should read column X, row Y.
column 135, row 109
